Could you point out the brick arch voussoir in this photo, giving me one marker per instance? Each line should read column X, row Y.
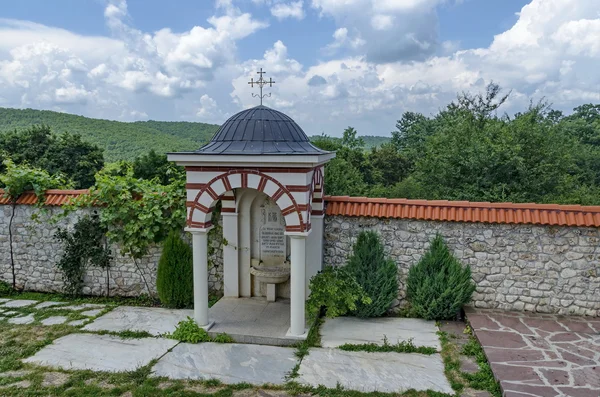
column 208, row 190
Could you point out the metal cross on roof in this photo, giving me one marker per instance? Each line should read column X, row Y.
column 261, row 82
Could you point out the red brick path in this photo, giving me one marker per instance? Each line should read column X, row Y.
column 540, row 355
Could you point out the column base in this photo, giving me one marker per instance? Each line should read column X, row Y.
column 208, row 326
column 289, row 335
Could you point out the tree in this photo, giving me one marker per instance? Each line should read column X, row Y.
column 71, row 156
column 326, row 142
column 350, row 139
column 66, row 153
column 174, row 279
column 438, row 286
column 377, row 275
column 389, row 165
column 343, row 179
column 153, row 165
column 411, row 132
column 523, row 159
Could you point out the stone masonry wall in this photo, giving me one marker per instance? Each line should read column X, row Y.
column 516, row 267
column 36, row 252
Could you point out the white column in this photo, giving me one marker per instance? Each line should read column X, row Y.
column 231, row 281
column 297, row 293
column 200, row 252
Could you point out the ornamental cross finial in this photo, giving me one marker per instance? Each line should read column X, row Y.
column 261, row 82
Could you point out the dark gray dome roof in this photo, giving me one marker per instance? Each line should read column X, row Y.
column 260, row 130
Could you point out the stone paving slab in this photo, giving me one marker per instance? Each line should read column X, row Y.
column 230, row 363
column 370, row 372
column 22, row 320
column 54, row 320
column 83, row 306
column 341, row 330
column 19, row 303
column 47, row 304
column 3, row 300
column 101, row 352
column 153, row 320
column 91, row 313
column 539, row 354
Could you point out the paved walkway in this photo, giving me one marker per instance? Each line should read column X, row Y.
column 42, row 313
column 540, row 355
column 255, row 364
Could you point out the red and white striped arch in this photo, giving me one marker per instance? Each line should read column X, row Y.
column 317, row 193
column 293, row 189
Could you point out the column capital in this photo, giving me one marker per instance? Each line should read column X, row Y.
column 298, row 234
column 195, row 230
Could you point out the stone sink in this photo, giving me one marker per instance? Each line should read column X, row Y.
column 270, row 275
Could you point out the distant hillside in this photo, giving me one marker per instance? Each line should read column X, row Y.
column 121, row 141
column 125, row 141
column 372, row 141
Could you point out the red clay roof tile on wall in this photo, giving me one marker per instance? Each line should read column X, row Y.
column 54, row 197
column 465, row 211
column 435, row 210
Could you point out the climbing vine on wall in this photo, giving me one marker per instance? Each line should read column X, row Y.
column 136, row 213
column 16, row 180
column 84, row 246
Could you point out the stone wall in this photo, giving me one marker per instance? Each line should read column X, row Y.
column 516, row 267
column 36, row 252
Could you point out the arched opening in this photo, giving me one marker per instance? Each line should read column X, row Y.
column 254, row 239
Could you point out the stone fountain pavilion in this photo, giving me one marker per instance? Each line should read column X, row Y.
column 269, row 179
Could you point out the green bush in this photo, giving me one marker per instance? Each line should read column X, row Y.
column 438, row 286
column 189, row 331
column 5, row 288
column 377, row 275
column 174, row 279
column 84, row 246
column 223, row 338
column 336, row 290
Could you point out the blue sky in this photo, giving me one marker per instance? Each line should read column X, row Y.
column 337, row 62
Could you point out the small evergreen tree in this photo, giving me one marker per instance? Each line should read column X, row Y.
column 174, row 280
column 377, row 275
column 438, row 286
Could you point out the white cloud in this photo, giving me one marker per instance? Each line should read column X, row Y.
column 293, row 9
column 342, row 39
column 552, row 51
column 380, row 63
column 382, row 22
column 42, row 66
column 389, row 30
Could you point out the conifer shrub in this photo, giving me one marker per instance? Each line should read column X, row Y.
column 174, row 279
column 439, row 285
column 376, row 274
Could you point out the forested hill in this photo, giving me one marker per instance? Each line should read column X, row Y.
column 120, row 140
column 126, row 141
